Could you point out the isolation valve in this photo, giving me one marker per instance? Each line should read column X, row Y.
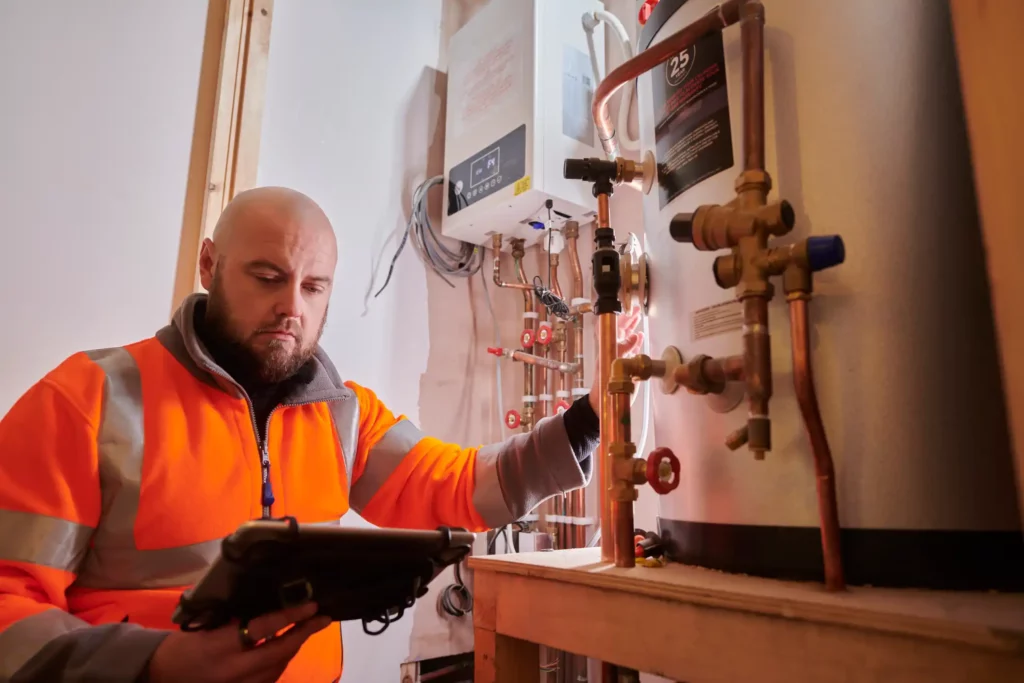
column 663, row 470
column 561, row 406
column 512, row 419
column 526, row 339
column 544, row 333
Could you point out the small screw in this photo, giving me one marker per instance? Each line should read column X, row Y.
column 212, row 187
column 263, row 12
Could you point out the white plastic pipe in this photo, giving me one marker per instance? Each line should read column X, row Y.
column 592, row 20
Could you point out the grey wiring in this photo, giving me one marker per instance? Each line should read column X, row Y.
column 466, row 261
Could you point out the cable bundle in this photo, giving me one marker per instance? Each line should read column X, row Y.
column 465, row 262
column 456, row 599
column 556, row 305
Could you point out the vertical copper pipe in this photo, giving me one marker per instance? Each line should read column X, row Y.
column 758, row 371
column 530, row 323
column 622, row 512
column 752, row 40
column 803, row 380
column 572, row 232
column 605, row 355
column 555, row 380
column 607, row 350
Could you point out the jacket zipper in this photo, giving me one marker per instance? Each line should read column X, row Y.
column 266, row 488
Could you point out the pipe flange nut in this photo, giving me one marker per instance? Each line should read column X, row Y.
column 753, row 179
column 698, row 384
column 622, row 449
column 620, row 386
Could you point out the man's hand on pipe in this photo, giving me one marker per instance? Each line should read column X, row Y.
column 630, row 340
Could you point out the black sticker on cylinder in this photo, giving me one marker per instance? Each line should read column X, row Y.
column 496, row 166
column 693, row 138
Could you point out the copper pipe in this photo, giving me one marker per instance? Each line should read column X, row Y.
column 539, row 385
column 622, row 510
column 606, row 353
column 536, row 361
column 572, row 232
column 704, row 375
column 803, row 380
column 752, row 40
column 758, row 372
column 496, row 268
column 727, row 14
column 530, row 323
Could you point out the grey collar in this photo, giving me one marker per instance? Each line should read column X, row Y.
column 318, row 381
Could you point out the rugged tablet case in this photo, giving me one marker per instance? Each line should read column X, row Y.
column 371, row 575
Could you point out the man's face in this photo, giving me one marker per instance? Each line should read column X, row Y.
column 268, row 296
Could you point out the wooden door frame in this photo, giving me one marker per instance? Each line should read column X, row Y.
column 989, row 54
column 227, row 127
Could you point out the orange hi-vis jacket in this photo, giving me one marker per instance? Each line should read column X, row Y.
column 122, row 470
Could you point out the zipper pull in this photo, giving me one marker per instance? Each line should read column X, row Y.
column 268, row 494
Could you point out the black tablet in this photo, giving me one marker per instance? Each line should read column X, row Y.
column 372, row 575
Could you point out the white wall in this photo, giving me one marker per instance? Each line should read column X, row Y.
column 97, row 101
column 354, row 117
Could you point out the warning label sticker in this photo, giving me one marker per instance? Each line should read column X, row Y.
column 693, row 138
column 718, row 319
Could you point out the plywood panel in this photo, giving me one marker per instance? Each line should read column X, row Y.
column 990, row 54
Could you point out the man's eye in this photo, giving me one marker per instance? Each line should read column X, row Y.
column 314, row 289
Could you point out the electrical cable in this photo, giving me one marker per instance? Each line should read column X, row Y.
column 556, row 305
column 456, row 599
column 466, row 261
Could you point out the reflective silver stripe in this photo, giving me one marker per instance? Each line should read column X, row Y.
column 121, row 445
column 20, row 641
column 382, row 460
column 43, row 540
column 129, row 568
column 330, row 522
column 488, row 498
column 345, row 413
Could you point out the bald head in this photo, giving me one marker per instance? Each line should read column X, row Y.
column 274, row 209
column 269, row 269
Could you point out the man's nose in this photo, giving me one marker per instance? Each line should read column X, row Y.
column 289, row 301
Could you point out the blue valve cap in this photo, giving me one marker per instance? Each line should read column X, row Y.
column 536, row 225
column 825, row 251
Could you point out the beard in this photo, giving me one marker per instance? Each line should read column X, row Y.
column 236, row 352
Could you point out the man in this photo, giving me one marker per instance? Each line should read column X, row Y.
column 122, row 469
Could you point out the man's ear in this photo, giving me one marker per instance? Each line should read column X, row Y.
column 207, row 263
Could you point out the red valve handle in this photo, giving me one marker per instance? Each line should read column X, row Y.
column 637, row 550
column 544, row 334
column 512, row 419
column 654, row 462
column 561, row 406
column 495, row 350
column 526, row 339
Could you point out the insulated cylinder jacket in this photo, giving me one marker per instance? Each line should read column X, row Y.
column 122, row 470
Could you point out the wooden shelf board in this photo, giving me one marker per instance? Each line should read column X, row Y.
column 983, row 620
